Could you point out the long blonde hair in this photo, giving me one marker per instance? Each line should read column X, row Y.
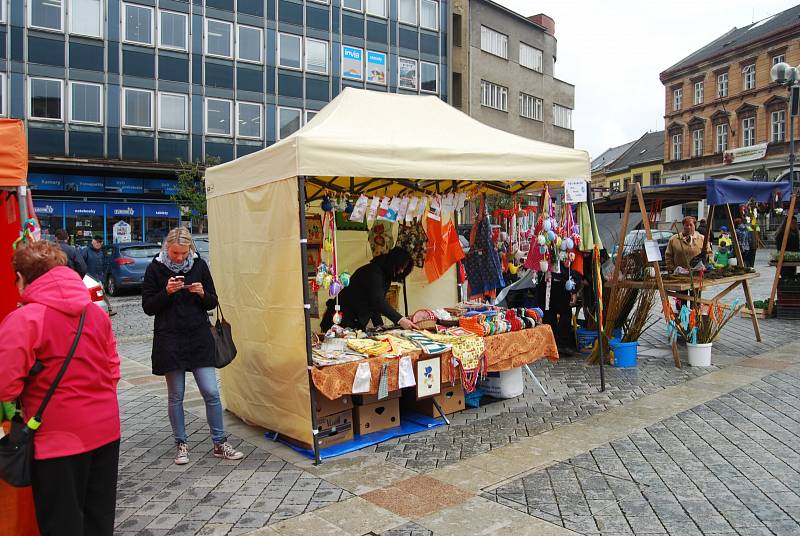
column 180, row 236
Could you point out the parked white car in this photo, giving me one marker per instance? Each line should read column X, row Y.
column 96, row 292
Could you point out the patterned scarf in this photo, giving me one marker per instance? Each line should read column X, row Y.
column 183, row 267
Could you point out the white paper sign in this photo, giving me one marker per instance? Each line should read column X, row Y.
column 574, row 191
column 121, row 232
column 652, row 251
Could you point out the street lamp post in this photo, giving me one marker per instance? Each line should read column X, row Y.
column 786, row 75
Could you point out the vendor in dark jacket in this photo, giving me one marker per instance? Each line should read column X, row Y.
column 364, row 299
column 178, row 290
column 558, row 313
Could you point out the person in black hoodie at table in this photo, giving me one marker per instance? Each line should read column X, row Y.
column 364, row 299
column 563, row 297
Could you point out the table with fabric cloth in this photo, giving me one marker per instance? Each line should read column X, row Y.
column 504, row 351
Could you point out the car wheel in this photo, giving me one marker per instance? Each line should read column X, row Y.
column 111, row 286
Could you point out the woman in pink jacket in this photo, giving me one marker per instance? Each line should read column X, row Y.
column 76, row 449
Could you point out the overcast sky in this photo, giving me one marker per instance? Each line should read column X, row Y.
column 614, row 50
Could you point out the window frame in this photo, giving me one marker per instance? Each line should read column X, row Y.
column 677, row 99
column 125, row 124
column 3, row 95
column 305, row 115
column 416, row 13
column 698, row 142
column 435, row 11
column 125, row 39
column 537, row 104
column 231, row 51
column 699, row 92
column 493, row 31
column 360, row 10
column 722, row 135
column 677, row 146
column 372, row 14
column 747, row 71
column 780, row 57
column 185, row 98
column 60, row 119
column 60, row 29
column 300, row 59
column 2, row 11
column 72, row 17
column 568, row 115
column 655, row 179
column 100, row 103
column 260, row 120
column 278, row 120
column 230, row 117
column 722, row 83
column 540, row 56
column 501, row 96
column 185, row 30
column 239, row 57
column 419, row 76
column 327, row 56
column 773, row 123
column 746, row 129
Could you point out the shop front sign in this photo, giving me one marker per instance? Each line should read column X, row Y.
column 121, row 232
column 745, row 154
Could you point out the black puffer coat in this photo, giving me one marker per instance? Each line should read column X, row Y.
column 182, row 339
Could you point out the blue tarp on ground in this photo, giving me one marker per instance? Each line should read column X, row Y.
column 410, row 423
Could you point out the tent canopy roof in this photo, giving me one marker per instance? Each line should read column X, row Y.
column 715, row 191
column 374, row 141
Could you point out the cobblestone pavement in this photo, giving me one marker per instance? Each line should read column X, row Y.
column 729, row 466
column 208, row 495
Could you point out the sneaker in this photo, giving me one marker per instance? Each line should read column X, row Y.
column 227, row 452
column 182, row 454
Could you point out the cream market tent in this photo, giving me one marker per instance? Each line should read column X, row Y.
column 361, row 142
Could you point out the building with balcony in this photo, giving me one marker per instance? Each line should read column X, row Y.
column 724, row 117
column 114, row 92
column 503, row 72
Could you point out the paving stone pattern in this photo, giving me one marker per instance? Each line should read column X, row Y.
column 208, row 495
column 729, row 466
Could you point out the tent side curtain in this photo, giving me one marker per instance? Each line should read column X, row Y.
column 723, row 192
column 370, row 135
column 255, row 260
column 13, row 153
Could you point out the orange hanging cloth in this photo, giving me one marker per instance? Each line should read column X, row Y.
column 444, row 248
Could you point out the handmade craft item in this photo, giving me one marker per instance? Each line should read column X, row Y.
column 484, row 272
column 363, row 379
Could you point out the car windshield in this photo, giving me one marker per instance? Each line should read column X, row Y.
column 634, row 239
column 140, row 252
column 201, row 245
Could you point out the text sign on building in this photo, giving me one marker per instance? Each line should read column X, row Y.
column 574, row 191
column 376, row 68
column 45, row 181
column 745, row 154
column 352, row 63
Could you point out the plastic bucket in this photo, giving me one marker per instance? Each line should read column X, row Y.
column 699, row 354
column 624, row 353
column 586, row 339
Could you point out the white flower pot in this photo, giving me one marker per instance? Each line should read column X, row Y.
column 699, row 354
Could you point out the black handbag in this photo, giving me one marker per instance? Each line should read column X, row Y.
column 16, row 448
column 225, row 349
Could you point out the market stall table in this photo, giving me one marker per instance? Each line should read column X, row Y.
column 504, row 351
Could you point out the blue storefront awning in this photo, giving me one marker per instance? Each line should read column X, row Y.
column 162, row 211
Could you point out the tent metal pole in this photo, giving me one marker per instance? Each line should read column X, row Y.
column 301, row 197
column 598, row 287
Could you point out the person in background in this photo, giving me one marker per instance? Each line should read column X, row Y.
column 746, row 242
column 76, row 448
column 558, row 313
column 684, row 247
column 178, row 290
column 74, row 258
column 792, row 243
column 93, row 257
column 701, row 226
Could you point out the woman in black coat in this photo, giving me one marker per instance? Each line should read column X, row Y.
column 364, row 299
column 178, row 290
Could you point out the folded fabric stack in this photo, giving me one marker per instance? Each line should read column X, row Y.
column 370, row 347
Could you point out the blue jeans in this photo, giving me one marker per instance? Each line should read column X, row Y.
column 206, row 379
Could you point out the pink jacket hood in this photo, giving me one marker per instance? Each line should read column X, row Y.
column 61, row 288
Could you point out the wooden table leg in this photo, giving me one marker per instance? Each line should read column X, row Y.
column 750, row 305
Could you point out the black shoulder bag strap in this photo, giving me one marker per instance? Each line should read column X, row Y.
column 36, row 421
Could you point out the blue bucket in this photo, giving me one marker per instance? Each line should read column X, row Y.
column 624, row 353
column 586, row 339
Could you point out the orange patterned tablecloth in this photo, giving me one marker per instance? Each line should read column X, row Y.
column 503, row 352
